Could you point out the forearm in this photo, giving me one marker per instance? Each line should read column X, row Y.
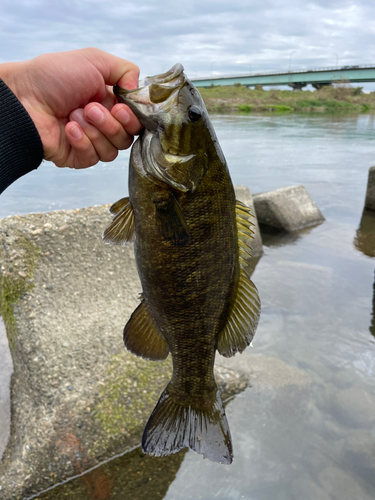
column 21, row 149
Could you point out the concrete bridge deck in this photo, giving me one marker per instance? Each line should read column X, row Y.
column 296, row 79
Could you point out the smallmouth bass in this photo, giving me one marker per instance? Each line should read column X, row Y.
column 190, row 240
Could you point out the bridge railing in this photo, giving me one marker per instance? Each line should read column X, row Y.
column 270, row 73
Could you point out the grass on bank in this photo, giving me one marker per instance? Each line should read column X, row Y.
column 239, row 98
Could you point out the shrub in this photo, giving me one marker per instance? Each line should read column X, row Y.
column 245, row 108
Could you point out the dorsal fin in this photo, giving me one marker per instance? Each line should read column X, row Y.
column 121, row 229
column 244, row 314
column 142, row 336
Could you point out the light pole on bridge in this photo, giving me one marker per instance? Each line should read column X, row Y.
column 337, row 60
column 290, row 59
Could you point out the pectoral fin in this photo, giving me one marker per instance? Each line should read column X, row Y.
column 171, row 222
column 119, row 205
column 245, row 310
column 142, row 336
column 121, row 229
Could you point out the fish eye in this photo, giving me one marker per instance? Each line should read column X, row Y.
column 194, row 114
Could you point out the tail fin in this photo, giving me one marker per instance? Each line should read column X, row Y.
column 173, row 425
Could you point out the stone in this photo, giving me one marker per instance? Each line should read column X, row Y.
column 243, row 194
column 78, row 397
column 289, row 209
column 359, row 448
column 306, row 489
column 370, row 192
column 364, row 239
column 342, row 486
column 355, row 407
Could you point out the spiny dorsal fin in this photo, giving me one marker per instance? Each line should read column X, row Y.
column 243, row 318
column 244, row 231
column 121, row 229
column 171, row 222
column 244, row 314
column 142, row 336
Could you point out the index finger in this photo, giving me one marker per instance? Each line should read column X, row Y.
column 115, row 70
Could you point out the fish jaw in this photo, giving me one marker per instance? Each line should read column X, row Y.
column 159, row 94
column 173, row 145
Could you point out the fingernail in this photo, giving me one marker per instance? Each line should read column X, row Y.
column 77, row 116
column 95, row 114
column 122, row 116
column 75, row 132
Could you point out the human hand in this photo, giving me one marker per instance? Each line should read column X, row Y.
column 69, row 97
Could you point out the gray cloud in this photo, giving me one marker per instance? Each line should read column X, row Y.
column 210, row 37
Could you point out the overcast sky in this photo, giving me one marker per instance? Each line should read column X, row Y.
column 209, row 37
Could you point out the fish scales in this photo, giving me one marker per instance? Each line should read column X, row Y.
column 187, row 289
column 196, row 297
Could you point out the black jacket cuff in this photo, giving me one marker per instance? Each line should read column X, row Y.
column 21, row 149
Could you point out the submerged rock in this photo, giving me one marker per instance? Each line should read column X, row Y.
column 289, row 209
column 306, row 489
column 77, row 396
column 342, row 486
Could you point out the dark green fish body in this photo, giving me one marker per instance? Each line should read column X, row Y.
column 189, row 239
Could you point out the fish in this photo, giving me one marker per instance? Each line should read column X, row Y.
column 191, row 244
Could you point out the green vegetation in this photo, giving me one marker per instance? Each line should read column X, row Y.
column 120, row 409
column 239, row 98
column 14, row 284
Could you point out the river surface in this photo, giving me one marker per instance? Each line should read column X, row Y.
column 308, row 430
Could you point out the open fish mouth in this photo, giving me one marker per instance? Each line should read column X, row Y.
column 159, row 94
column 157, row 104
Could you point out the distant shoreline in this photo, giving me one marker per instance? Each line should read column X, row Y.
column 241, row 99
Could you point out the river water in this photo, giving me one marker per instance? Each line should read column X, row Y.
column 306, row 430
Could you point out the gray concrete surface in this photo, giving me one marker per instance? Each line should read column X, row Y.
column 370, row 192
column 77, row 396
column 289, row 209
column 243, row 194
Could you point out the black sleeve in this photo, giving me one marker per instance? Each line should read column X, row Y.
column 21, row 149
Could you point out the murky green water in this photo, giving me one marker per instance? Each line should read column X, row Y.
column 306, row 430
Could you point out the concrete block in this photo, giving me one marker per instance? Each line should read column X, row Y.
column 243, row 194
column 77, row 396
column 370, row 192
column 289, row 209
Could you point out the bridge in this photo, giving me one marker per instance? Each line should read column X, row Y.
column 318, row 78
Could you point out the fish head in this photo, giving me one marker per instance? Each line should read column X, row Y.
column 178, row 134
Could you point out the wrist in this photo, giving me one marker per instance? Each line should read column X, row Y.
column 8, row 73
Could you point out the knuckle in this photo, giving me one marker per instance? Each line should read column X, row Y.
column 109, row 155
column 128, row 142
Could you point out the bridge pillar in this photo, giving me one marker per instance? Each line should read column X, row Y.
column 319, row 86
column 297, row 85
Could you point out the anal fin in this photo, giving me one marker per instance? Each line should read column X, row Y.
column 121, row 229
column 142, row 336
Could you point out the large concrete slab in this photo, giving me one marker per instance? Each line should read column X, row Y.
column 289, row 209
column 370, row 192
column 77, row 396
